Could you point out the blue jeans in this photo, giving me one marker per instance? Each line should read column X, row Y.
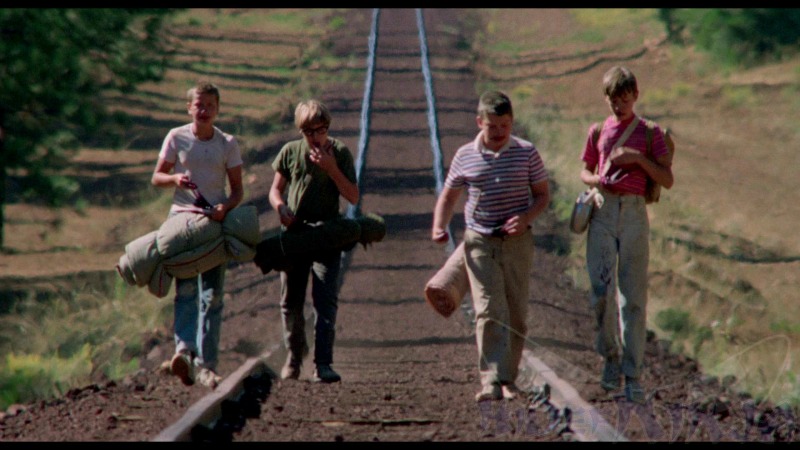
column 324, row 293
column 198, row 315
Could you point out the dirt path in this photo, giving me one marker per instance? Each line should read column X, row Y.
column 408, row 374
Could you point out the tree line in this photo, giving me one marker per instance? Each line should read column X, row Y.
column 54, row 65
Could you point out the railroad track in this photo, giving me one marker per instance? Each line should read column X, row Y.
column 400, row 166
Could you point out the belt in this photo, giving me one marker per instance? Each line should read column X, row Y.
column 619, row 194
column 499, row 233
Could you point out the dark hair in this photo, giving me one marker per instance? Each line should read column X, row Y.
column 619, row 80
column 494, row 102
column 203, row 87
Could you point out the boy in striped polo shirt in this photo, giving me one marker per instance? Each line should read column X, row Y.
column 617, row 246
column 507, row 188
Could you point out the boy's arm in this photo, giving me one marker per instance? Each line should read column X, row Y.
column 442, row 214
column 325, row 159
column 347, row 188
column 541, row 199
column 276, row 200
column 163, row 178
column 588, row 177
column 659, row 170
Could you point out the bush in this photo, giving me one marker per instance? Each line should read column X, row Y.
column 26, row 377
column 675, row 321
column 736, row 36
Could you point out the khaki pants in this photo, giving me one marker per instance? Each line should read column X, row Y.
column 617, row 254
column 499, row 274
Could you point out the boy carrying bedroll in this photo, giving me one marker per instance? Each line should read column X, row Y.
column 197, row 160
column 311, row 174
column 507, row 187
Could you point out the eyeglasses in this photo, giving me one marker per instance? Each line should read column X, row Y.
column 319, row 130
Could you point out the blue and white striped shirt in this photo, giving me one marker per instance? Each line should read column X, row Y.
column 498, row 183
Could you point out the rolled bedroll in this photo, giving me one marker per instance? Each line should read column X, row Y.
column 446, row 289
column 282, row 248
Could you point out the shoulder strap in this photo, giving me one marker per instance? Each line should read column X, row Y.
column 649, row 133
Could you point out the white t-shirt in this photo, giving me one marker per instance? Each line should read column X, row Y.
column 206, row 161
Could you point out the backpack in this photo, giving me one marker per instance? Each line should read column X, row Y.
column 652, row 190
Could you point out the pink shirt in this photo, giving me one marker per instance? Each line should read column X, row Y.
column 631, row 179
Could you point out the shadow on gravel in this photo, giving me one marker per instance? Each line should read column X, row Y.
column 395, row 181
column 384, row 343
column 235, row 413
column 398, row 224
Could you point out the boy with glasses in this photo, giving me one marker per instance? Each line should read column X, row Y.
column 310, row 175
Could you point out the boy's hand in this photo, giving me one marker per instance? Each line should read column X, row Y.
column 218, row 212
column 184, row 181
column 323, row 157
column 515, row 225
column 286, row 215
column 624, row 156
column 439, row 236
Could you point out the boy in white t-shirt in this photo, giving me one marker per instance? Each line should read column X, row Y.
column 196, row 159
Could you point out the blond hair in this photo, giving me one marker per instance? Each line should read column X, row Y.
column 311, row 112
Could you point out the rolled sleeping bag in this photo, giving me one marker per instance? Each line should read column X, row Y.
column 446, row 289
column 303, row 241
column 190, row 263
column 242, row 223
column 186, row 231
column 160, row 281
column 141, row 256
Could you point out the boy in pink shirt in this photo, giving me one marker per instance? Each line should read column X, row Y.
column 617, row 246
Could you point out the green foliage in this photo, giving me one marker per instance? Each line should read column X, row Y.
column 65, row 342
column 55, row 64
column 739, row 96
column 702, row 335
column 785, row 326
column 28, row 377
column 676, row 321
column 736, row 36
column 337, row 23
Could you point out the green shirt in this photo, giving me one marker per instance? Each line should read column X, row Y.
column 312, row 195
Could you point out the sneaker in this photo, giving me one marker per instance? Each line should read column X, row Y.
column 611, row 375
column 634, row 391
column 181, row 366
column 325, row 374
column 291, row 369
column 208, row 378
column 510, row 391
column 489, row 392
